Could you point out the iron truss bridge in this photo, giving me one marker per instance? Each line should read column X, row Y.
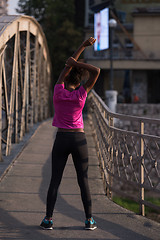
column 25, row 78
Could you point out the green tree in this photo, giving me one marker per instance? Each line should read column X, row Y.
column 57, row 18
column 35, row 8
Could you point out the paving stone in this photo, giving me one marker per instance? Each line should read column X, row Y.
column 23, row 192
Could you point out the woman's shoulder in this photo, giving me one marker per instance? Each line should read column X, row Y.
column 81, row 92
column 59, row 85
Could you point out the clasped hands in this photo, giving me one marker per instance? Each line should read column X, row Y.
column 71, row 62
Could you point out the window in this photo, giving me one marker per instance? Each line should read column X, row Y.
column 91, row 2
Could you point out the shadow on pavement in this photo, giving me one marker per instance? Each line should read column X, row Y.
column 62, row 206
column 13, row 228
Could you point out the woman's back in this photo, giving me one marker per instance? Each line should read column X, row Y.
column 68, row 107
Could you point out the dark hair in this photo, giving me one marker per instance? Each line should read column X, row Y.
column 75, row 76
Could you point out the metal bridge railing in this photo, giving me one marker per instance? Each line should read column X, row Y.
column 25, row 78
column 129, row 154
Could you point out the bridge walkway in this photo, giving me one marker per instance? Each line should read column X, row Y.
column 23, row 195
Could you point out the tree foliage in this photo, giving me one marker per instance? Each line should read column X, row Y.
column 57, row 18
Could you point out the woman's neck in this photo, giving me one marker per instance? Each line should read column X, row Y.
column 70, row 87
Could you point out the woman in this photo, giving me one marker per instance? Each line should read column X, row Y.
column 70, row 139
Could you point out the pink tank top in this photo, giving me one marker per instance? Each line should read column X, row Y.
column 68, row 107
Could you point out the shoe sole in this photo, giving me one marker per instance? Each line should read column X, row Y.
column 91, row 228
column 51, row 228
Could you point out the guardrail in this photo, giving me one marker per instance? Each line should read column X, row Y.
column 129, row 156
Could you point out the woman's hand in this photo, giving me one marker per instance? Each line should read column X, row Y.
column 71, row 62
column 89, row 42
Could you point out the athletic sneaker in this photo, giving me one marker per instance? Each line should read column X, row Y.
column 46, row 224
column 90, row 224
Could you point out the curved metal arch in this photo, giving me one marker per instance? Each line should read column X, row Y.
column 8, row 28
column 25, row 77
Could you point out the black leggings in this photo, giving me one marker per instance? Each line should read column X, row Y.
column 69, row 143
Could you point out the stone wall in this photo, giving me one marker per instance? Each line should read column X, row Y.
column 141, row 110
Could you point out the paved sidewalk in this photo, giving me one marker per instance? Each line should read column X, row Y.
column 23, row 195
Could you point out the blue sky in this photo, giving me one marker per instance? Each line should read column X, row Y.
column 12, row 4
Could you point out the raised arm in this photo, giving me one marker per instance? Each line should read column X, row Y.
column 89, row 42
column 94, row 72
column 76, row 55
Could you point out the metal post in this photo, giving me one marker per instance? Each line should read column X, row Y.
column 16, row 88
column 35, row 91
column 112, row 25
column 24, row 116
column 111, row 59
column 110, row 178
column 12, row 97
column 141, row 195
column 1, row 108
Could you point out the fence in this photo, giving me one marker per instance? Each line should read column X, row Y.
column 129, row 155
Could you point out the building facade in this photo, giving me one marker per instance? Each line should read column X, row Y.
column 136, row 50
column 3, row 7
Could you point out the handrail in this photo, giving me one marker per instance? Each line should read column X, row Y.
column 122, row 116
column 129, row 158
